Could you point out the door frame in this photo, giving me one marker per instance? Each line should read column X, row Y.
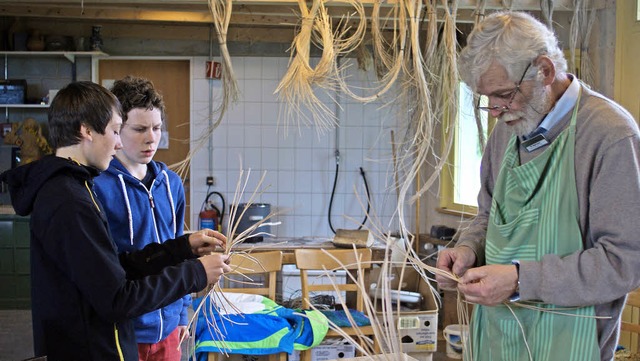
column 95, row 75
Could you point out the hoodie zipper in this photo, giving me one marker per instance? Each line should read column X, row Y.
column 153, row 205
column 117, row 339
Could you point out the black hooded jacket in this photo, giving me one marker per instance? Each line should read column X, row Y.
column 83, row 293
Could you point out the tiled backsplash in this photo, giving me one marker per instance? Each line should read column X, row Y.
column 299, row 162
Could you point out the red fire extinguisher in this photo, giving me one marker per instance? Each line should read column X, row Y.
column 210, row 215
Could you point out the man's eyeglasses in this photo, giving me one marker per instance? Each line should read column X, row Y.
column 504, row 108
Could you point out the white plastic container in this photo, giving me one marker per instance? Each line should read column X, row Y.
column 291, row 286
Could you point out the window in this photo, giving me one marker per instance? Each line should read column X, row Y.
column 461, row 178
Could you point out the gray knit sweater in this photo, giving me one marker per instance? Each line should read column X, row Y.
column 607, row 165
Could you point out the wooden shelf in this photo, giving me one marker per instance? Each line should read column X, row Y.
column 24, row 106
column 70, row 55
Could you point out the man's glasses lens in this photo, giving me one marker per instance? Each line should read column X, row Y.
column 483, row 103
column 483, row 100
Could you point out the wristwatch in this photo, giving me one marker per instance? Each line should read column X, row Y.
column 516, row 295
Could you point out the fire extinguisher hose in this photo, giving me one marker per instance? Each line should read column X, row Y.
column 220, row 210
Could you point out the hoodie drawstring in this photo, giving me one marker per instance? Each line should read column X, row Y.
column 86, row 184
column 128, row 205
column 173, row 208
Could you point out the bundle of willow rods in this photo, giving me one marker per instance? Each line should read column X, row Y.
column 296, row 89
column 214, row 294
column 221, row 13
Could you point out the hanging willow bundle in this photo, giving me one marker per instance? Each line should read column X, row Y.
column 431, row 38
column 428, row 89
column 390, row 57
column 579, row 35
column 296, row 89
column 221, row 13
column 446, row 104
column 298, row 86
column 546, row 7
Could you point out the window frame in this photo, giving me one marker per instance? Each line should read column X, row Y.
column 447, row 177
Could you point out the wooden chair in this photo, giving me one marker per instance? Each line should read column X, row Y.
column 267, row 264
column 631, row 323
column 317, row 259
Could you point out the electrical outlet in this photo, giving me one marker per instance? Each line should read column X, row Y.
column 210, row 181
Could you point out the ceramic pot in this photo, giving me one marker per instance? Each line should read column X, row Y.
column 35, row 41
column 96, row 38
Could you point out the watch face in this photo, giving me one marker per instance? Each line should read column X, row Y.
column 516, row 295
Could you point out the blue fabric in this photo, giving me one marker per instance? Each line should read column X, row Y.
column 134, row 223
column 275, row 329
column 339, row 317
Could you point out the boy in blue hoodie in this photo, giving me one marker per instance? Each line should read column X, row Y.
column 146, row 205
column 83, row 293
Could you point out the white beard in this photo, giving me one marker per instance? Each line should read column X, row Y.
column 529, row 118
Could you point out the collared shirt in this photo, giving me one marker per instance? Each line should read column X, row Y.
column 561, row 108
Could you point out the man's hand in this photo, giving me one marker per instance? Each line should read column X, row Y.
column 489, row 285
column 455, row 260
column 205, row 241
column 215, row 265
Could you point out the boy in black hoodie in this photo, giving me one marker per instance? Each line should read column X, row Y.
column 83, row 293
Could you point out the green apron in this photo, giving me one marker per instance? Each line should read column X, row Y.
column 534, row 212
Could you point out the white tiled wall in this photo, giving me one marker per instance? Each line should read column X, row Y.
column 299, row 162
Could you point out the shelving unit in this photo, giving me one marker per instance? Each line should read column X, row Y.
column 14, row 230
column 24, row 105
column 71, row 56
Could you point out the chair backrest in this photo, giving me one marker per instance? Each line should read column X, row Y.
column 251, row 264
column 318, row 259
column 631, row 324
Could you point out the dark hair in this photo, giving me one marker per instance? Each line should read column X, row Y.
column 79, row 103
column 137, row 92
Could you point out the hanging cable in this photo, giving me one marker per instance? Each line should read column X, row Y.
column 333, row 192
column 337, row 113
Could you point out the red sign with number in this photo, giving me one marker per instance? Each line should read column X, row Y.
column 214, row 70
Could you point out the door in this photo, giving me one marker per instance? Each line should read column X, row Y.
column 172, row 79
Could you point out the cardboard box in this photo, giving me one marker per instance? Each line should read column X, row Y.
column 398, row 357
column 328, row 350
column 417, row 329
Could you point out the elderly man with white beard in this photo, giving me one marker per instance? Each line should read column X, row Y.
column 559, row 207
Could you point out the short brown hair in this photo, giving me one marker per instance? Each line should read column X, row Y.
column 137, row 92
column 80, row 103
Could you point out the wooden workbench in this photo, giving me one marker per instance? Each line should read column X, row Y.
column 288, row 244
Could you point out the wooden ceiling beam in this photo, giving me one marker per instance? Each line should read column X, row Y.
column 462, row 4
column 102, row 13
column 242, row 16
column 256, row 13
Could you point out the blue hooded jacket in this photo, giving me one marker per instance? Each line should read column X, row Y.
column 139, row 216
